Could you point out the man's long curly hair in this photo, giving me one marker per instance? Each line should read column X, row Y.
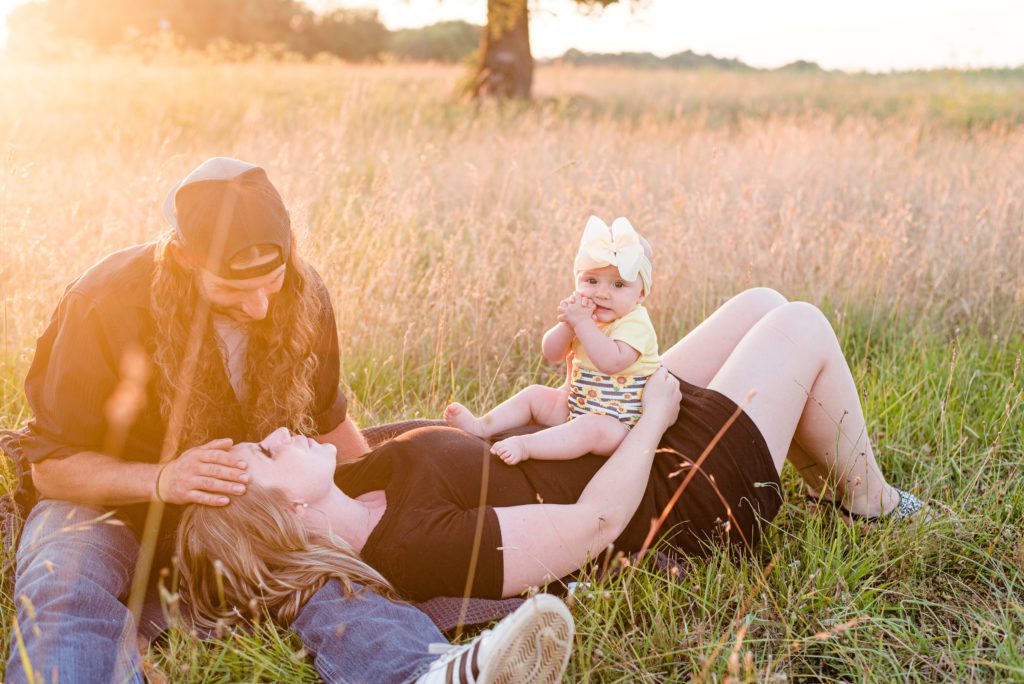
column 280, row 362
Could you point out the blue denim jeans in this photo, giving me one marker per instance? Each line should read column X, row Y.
column 74, row 572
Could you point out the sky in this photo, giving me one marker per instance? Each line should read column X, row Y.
column 870, row 35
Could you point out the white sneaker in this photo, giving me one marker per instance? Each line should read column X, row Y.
column 530, row 645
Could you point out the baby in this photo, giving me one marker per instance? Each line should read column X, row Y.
column 606, row 335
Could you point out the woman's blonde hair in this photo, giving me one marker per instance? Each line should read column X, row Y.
column 281, row 362
column 255, row 557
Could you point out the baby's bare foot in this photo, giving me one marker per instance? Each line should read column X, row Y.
column 458, row 416
column 511, row 450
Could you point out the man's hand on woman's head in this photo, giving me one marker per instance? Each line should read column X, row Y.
column 203, row 474
column 661, row 398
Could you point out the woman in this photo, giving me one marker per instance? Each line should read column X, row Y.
column 413, row 509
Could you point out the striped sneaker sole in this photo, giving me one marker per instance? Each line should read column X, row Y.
column 540, row 652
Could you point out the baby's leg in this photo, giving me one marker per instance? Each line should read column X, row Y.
column 535, row 404
column 589, row 434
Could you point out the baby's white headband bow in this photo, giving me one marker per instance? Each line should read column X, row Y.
column 617, row 246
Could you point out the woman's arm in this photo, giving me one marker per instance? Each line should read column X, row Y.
column 542, row 542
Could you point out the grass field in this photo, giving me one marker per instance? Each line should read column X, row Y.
column 445, row 232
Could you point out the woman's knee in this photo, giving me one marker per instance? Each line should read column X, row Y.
column 762, row 299
column 805, row 322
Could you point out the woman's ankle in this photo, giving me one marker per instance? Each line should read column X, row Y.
column 872, row 504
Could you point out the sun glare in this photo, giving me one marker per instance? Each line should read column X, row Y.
column 872, row 36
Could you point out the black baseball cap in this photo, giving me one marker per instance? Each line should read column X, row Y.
column 224, row 206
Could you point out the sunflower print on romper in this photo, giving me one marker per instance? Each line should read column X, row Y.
column 621, row 382
column 616, row 406
column 596, row 393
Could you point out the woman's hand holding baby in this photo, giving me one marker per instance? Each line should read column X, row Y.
column 661, row 398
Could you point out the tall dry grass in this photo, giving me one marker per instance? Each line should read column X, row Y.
column 444, row 230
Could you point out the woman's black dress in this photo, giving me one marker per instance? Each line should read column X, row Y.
column 436, row 478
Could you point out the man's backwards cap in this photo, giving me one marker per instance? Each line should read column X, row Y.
column 225, row 206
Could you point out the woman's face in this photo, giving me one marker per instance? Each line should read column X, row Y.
column 299, row 466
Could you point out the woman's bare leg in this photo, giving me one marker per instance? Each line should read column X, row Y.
column 805, row 391
column 697, row 357
column 818, row 479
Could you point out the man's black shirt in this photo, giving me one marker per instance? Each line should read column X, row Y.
column 102, row 316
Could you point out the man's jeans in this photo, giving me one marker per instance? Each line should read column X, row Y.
column 74, row 571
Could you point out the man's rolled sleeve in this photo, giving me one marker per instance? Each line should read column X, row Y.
column 71, row 377
column 334, row 415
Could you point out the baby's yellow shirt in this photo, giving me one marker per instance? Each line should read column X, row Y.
column 636, row 330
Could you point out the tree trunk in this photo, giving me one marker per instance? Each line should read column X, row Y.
column 506, row 65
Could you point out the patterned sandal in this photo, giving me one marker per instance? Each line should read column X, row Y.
column 907, row 507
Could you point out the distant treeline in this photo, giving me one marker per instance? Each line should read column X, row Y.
column 448, row 41
column 647, row 60
column 680, row 60
column 53, row 26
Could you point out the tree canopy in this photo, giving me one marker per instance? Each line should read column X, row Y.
column 102, row 24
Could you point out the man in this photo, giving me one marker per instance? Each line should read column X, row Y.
column 155, row 361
